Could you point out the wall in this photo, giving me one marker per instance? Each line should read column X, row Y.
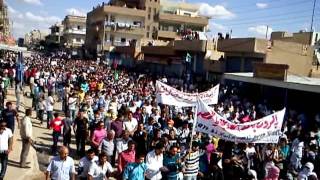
column 299, row 57
column 243, row 45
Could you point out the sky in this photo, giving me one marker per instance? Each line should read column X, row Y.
column 241, row 18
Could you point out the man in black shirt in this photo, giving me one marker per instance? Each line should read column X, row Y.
column 80, row 128
column 9, row 115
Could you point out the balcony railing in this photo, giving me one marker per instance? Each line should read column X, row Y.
column 73, row 31
column 125, row 28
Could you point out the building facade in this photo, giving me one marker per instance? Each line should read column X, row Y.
column 158, row 33
column 297, row 51
column 34, row 37
column 4, row 21
column 74, row 33
column 55, row 38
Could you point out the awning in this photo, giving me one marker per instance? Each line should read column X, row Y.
column 294, row 82
column 12, row 48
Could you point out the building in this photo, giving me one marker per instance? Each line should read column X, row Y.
column 308, row 38
column 4, row 20
column 34, row 37
column 55, row 38
column 161, row 34
column 74, row 33
column 297, row 51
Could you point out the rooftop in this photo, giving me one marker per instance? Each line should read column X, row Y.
column 294, row 82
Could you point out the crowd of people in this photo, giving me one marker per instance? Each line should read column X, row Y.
column 121, row 131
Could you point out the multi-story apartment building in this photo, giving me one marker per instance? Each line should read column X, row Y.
column 34, row 37
column 4, row 20
column 56, row 35
column 74, row 33
column 148, row 30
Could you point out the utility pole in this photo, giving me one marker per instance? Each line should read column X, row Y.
column 267, row 31
column 314, row 7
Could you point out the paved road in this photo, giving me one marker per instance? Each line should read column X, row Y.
column 43, row 140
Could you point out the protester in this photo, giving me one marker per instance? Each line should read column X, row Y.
column 56, row 125
column 80, row 128
column 154, row 162
column 127, row 156
column 26, row 137
column 6, row 141
column 67, row 128
column 101, row 169
column 107, row 146
column 85, row 164
column 62, row 166
column 136, row 170
column 10, row 116
column 49, row 108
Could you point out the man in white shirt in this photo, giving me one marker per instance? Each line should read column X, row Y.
column 154, row 162
column 72, row 102
column 85, row 163
column 6, row 139
column 49, row 106
column 131, row 124
column 61, row 167
column 26, row 136
column 101, row 169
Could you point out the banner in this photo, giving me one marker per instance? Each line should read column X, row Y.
column 264, row 130
column 171, row 96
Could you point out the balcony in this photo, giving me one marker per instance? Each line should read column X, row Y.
column 124, row 11
column 167, row 34
column 74, row 31
column 243, row 45
column 125, row 29
column 190, row 45
column 173, row 18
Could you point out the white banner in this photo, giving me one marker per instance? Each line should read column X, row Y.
column 171, row 96
column 264, row 130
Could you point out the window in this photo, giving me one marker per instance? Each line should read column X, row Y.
column 79, row 27
column 149, row 9
column 148, row 34
column 148, row 28
column 155, row 11
column 123, row 40
column 78, row 39
column 149, row 17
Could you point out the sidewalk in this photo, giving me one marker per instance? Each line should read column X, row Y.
column 14, row 172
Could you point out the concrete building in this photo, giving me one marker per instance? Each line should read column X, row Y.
column 56, row 35
column 74, row 33
column 154, row 31
column 295, row 50
column 34, row 37
column 4, row 21
column 308, row 38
